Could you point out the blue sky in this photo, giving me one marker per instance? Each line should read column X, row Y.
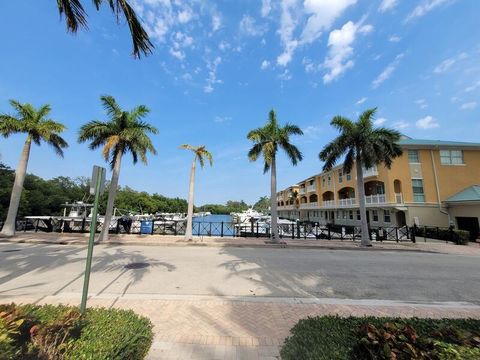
column 220, row 66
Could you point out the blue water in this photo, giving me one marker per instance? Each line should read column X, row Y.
column 212, row 225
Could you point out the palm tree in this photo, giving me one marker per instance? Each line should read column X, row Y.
column 267, row 140
column 35, row 124
column 123, row 132
column 76, row 17
column 363, row 146
column 199, row 153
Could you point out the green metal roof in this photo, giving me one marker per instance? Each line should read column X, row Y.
column 471, row 193
column 436, row 143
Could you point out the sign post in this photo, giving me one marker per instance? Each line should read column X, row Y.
column 97, row 185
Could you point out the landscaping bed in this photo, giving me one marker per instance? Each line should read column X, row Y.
column 60, row 332
column 333, row 337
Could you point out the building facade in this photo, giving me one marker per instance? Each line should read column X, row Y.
column 414, row 190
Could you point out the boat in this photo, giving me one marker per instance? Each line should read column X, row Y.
column 247, row 216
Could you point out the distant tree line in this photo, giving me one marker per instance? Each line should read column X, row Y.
column 45, row 197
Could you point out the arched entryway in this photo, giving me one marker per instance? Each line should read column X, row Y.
column 313, row 198
column 397, row 187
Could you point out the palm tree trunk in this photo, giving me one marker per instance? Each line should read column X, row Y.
column 361, row 201
column 112, row 193
column 188, row 230
column 9, row 226
column 273, row 201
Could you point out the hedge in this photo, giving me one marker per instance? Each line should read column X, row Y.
column 460, row 237
column 333, row 337
column 60, row 332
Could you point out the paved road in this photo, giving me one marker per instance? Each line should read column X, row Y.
column 36, row 270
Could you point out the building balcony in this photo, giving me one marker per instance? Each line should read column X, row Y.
column 347, row 202
column 301, row 191
column 329, row 203
column 311, row 188
column 286, row 207
column 373, row 171
column 375, row 199
column 312, row 205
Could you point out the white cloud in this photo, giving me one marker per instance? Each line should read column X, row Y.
column 387, row 72
column 422, row 103
column 424, row 8
column 287, row 26
column 312, row 131
column 473, row 87
column 340, row 53
column 212, row 74
column 361, row 101
column 248, row 26
column 265, row 64
column 387, row 5
column 379, row 121
column 285, row 76
column 401, row 125
column 323, row 14
column 222, row 119
column 266, row 7
column 448, row 63
column 320, row 16
column 224, row 46
column 179, row 54
column 427, row 122
column 216, row 22
column 394, row 38
column 185, row 15
column 469, row 106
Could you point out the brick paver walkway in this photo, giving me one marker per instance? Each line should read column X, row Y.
column 209, row 327
column 162, row 240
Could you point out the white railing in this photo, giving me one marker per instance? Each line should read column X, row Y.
column 312, row 205
column 399, row 198
column 328, row 203
column 347, row 202
column 301, row 191
column 373, row 171
column 311, row 188
column 286, row 207
column 375, row 199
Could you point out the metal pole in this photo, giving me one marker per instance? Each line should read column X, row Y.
column 93, row 227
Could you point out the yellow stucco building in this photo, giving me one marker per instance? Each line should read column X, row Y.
column 419, row 189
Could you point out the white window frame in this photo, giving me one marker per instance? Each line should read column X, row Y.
column 422, row 194
column 387, row 213
column 447, row 157
column 374, row 215
column 417, row 156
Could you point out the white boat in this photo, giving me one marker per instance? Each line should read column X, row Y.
column 246, row 216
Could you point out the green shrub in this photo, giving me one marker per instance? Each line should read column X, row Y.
column 333, row 337
column 460, row 237
column 60, row 332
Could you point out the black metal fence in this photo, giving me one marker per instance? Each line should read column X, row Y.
column 220, row 229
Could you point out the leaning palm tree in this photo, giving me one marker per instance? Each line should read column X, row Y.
column 267, row 140
column 199, row 153
column 76, row 17
column 363, row 146
column 35, row 124
column 123, row 132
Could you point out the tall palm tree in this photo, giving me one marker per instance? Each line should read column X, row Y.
column 267, row 140
column 363, row 146
column 76, row 17
column 35, row 124
column 125, row 131
column 200, row 152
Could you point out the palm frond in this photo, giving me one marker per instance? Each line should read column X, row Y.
column 74, row 14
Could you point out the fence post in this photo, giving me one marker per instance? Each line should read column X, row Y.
column 438, row 233
column 329, row 234
column 424, row 234
column 175, row 228
column 117, row 229
column 153, row 227
column 414, row 233
column 25, row 225
column 257, row 230
column 36, row 226
column 316, row 231
column 221, row 230
column 396, row 233
column 293, row 231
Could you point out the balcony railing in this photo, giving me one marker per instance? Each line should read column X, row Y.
column 373, row 171
column 375, row 199
column 286, row 207
column 347, row 202
column 328, row 203
column 399, row 198
column 311, row 188
column 301, row 191
column 312, row 205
